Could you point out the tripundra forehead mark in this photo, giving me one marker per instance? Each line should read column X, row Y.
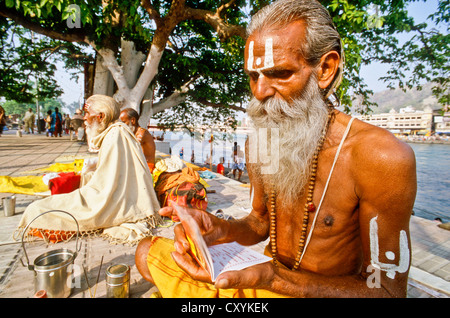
column 268, row 57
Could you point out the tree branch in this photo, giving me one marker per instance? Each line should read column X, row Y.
column 153, row 14
column 205, row 102
column 223, row 29
column 51, row 49
column 78, row 36
column 177, row 97
column 224, row 7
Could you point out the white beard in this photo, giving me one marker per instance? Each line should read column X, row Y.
column 132, row 128
column 300, row 126
column 95, row 129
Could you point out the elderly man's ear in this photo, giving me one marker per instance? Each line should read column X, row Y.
column 328, row 67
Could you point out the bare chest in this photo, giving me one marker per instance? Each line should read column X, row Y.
column 322, row 233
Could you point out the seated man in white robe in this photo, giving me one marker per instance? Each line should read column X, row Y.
column 116, row 197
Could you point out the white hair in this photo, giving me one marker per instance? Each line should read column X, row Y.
column 106, row 105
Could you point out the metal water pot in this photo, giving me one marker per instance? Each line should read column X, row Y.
column 53, row 270
column 9, row 205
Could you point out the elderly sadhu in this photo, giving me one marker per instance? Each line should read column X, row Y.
column 116, row 197
column 334, row 197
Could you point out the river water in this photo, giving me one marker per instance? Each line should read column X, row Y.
column 433, row 181
column 433, row 167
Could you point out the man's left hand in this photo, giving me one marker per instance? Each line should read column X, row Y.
column 258, row 277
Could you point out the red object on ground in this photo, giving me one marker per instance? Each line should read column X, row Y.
column 65, row 183
column 220, row 168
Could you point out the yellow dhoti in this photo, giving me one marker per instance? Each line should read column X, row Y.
column 173, row 282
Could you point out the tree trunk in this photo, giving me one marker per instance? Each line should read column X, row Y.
column 146, row 112
column 131, row 62
column 103, row 80
column 131, row 87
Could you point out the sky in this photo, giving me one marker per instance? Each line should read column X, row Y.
column 418, row 10
column 371, row 73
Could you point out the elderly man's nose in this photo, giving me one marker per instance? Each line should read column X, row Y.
column 262, row 88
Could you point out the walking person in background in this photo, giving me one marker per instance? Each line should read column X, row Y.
column 56, row 123
column 28, row 121
column 67, row 124
column 182, row 153
column 238, row 162
column 2, row 120
column 48, row 124
column 76, row 123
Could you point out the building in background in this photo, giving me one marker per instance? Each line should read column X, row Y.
column 408, row 121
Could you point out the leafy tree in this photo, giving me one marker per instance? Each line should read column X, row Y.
column 20, row 65
column 27, row 63
column 189, row 53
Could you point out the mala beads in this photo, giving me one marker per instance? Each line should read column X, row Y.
column 308, row 208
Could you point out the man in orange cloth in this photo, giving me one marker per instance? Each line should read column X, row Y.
column 334, row 197
column 131, row 118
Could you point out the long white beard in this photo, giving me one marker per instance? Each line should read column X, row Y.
column 300, row 126
column 95, row 129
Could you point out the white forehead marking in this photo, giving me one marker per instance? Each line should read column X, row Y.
column 268, row 56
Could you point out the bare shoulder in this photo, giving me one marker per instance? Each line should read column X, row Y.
column 146, row 136
column 380, row 161
column 375, row 146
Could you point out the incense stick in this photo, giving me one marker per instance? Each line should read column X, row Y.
column 98, row 276
column 87, row 281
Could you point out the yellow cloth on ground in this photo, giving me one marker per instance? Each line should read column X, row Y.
column 173, row 282
column 74, row 166
column 119, row 197
column 23, row 185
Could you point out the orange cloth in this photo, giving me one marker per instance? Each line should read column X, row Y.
column 51, row 235
column 167, row 181
column 173, row 282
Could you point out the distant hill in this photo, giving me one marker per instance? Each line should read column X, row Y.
column 397, row 99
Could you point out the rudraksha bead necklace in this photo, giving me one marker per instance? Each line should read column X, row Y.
column 308, row 208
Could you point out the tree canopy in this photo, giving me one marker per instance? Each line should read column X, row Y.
column 192, row 50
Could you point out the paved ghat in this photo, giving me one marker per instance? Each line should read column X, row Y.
column 429, row 274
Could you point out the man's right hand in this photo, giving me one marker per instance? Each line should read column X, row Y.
column 213, row 229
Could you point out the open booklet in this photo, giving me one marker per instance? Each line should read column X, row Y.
column 219, row 258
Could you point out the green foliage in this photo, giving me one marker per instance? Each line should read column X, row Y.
column 20, row 62
column 369, row 31
column 19, row 108
column 27, row 57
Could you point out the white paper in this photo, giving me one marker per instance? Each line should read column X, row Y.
column 233, row 257
column 220, row 258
